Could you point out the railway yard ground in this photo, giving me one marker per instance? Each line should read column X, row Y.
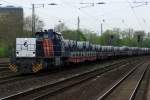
column 120, row 79
column 3, row 60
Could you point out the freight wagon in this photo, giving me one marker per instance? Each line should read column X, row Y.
column 48, row 49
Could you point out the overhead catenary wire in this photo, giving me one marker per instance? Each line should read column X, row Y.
column 142, row 20
column 138, row 20
column 74, row 7
column 91, row 17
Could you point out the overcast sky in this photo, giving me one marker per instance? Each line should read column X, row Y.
column 116, row 13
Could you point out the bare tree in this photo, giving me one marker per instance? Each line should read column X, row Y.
column 60, row 27
column 39, row 24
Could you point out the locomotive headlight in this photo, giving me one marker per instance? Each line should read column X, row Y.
column 17, row 53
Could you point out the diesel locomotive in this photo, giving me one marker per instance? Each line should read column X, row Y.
column 48, row 49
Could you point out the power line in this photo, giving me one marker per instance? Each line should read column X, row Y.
column 93, row 17
column 140, row 3
column 76, row 8
column 123, row 21
column 132, row 9
column 85, row 13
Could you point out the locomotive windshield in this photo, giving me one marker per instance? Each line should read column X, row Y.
column 39, row 35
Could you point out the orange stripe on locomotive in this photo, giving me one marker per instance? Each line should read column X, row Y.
column 48, row 48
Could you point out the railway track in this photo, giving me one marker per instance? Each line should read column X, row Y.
column 62, row 84
column 6, row 73
column 4, row 66
column 117, row 92
column 16, row 77
column 10, row 78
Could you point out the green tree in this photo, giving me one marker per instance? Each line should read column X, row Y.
column 60, row 27
column 74, row 35
column 110, row 37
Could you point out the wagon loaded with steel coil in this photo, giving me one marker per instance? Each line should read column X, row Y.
column 48, row 50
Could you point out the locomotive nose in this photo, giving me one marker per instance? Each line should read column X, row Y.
column 30, row 68
column 26, row 66
column 21, row 67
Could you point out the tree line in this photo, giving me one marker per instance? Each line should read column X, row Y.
column 114, row 37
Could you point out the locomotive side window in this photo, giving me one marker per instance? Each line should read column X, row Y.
column 45, row 36
column 39, row 35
